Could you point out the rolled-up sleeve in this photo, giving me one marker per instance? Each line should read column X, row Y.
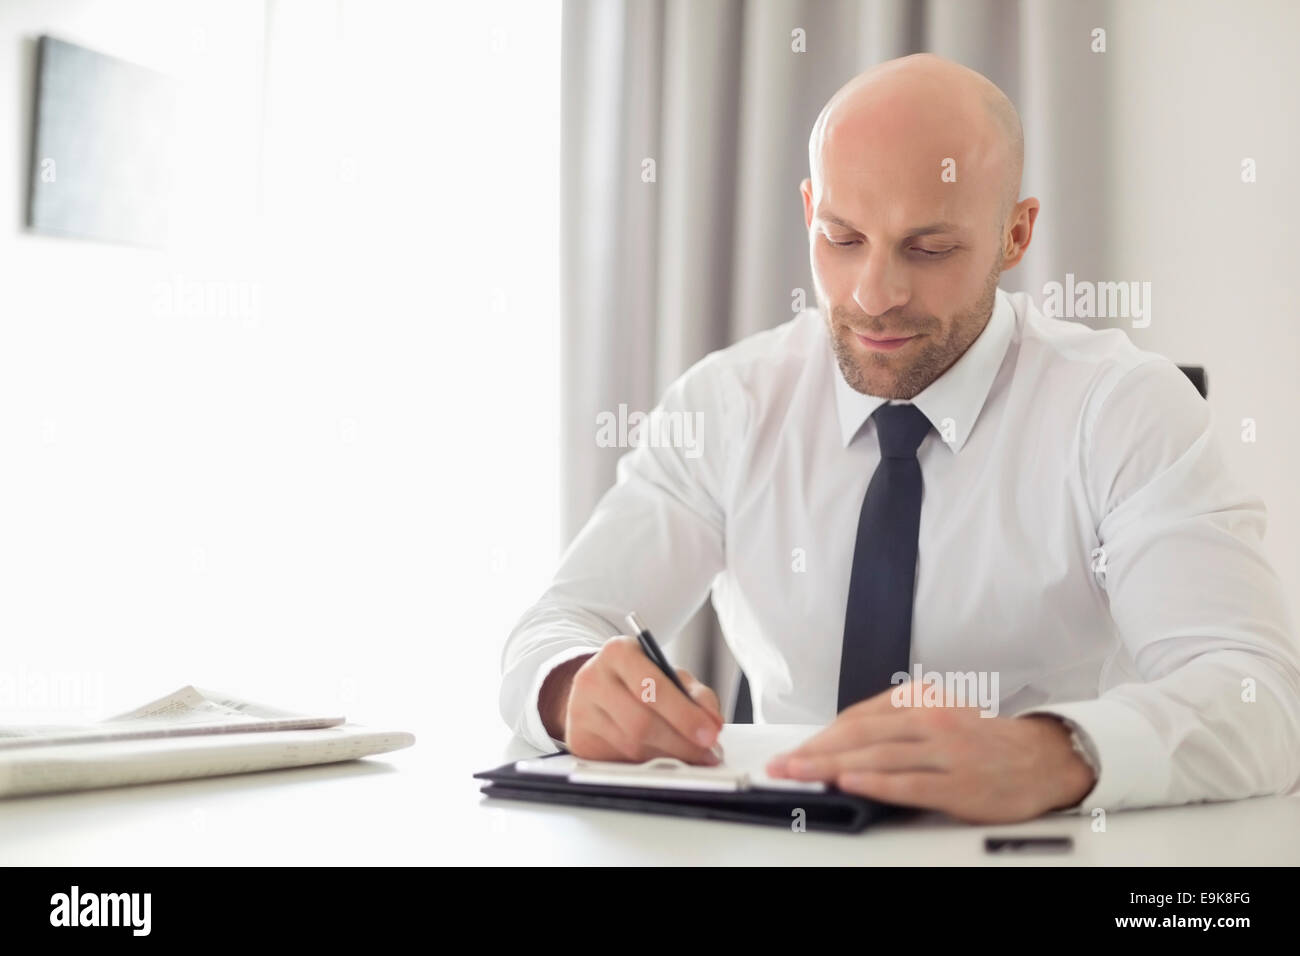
column 1216, row 715
column 653, row 544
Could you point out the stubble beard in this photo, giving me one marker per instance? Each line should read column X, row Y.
column 879, row 373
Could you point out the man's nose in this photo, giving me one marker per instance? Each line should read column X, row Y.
column 882, row 284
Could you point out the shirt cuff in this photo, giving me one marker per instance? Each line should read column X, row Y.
column 1135, row 769
column 535, row 731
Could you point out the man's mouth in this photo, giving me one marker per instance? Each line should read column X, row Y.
column 884, row 343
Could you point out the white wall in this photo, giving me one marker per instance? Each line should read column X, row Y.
column 1199, row 85
column 341, row 497
column 124, row 467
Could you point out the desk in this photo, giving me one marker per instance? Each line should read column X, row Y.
column 401, row 808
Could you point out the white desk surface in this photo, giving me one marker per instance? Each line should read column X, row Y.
column 403, row 809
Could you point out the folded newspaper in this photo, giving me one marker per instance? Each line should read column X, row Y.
column 191, row 733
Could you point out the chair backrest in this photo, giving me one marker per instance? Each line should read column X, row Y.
column 1197, row 374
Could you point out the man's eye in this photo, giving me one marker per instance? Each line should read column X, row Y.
column 842, row 243
column 932, row 252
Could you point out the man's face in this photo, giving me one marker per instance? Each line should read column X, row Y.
column 905, row 265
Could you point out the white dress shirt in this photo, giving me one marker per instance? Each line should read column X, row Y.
column 1176, row 657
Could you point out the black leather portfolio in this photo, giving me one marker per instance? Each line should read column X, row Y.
column 831, row 810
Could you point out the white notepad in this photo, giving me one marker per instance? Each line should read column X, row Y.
column 747, row 748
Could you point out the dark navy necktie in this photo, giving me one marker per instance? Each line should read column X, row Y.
column 878, row 621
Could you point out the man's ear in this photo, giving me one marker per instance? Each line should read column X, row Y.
column 805, row 189
column 1016, row 241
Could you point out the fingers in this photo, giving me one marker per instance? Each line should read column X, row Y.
column 621, row 702
column 643, row 734
column 593, row 735
column 696, row 724
column 925, row 789
column 702, row 694
column 853, row 733
column 891, row 757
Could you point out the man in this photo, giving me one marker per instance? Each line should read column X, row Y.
column 926, row 476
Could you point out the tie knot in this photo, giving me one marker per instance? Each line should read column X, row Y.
column 900, row 429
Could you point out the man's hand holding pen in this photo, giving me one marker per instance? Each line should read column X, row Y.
column 618, row 705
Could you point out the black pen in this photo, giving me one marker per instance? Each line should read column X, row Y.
column 1034, row 844
column 652, row 651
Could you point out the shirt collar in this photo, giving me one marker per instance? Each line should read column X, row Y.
column 952, row 402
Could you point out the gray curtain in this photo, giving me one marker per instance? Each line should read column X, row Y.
column 657, row 274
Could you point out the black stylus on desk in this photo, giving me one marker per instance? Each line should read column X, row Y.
column 652, row 651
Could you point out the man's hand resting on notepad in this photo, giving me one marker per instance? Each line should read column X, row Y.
column 977, row 769
column 603, row 709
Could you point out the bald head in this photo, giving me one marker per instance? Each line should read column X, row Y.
column 913, row 213
column 933, row 108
